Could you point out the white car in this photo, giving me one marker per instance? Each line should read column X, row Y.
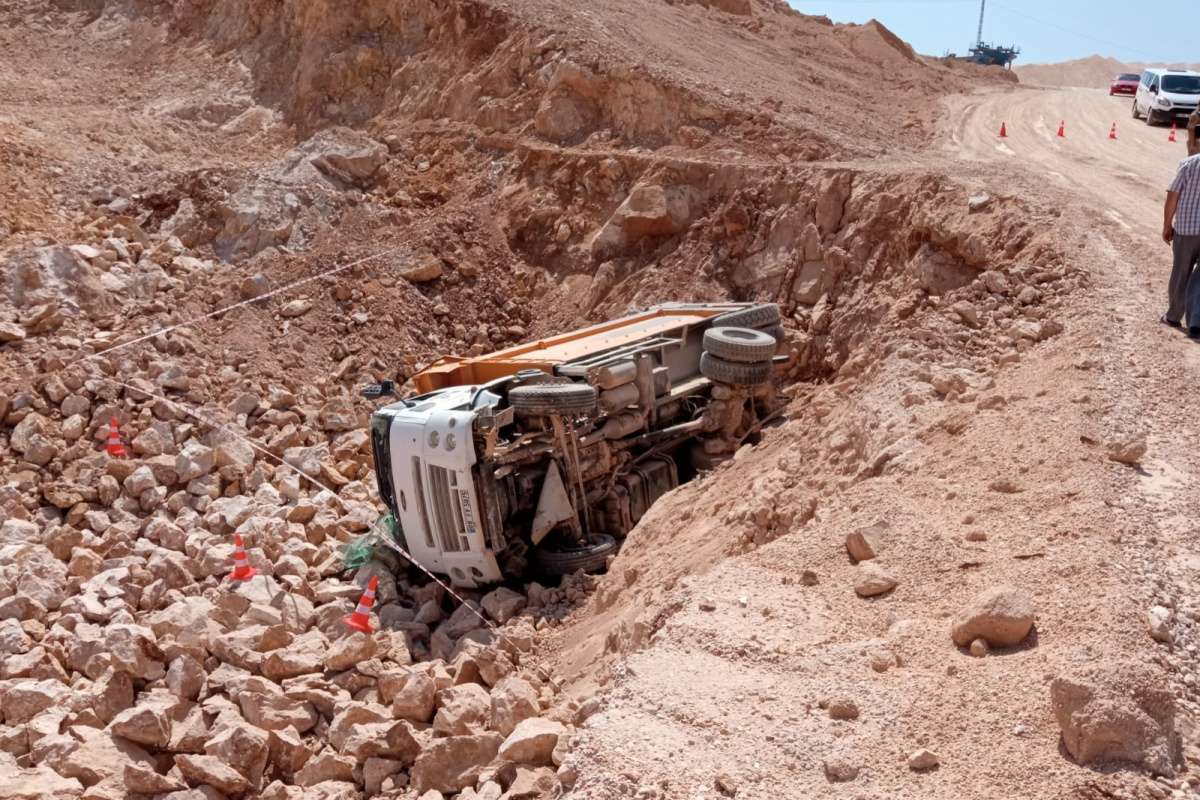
column 1166, row 95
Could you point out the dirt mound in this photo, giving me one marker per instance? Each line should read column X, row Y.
column 1093, row 72
column 876, row 43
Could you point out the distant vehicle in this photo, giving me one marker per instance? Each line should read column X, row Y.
column 1166, row 95
column 1125, row 83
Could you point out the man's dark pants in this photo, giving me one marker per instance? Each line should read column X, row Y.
column 1184, row 288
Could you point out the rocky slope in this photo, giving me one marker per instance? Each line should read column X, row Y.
column 218, row 219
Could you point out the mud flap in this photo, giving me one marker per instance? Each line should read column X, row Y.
column 554, row 505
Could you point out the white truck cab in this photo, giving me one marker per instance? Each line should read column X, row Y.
column 431, row 483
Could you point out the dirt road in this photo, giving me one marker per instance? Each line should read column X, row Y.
column 734, row 690
column 1124, row 179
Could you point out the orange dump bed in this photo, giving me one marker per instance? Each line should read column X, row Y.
column 546, row 354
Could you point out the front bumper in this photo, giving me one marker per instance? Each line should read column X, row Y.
column 432, row 459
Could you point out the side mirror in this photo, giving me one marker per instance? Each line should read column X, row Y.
column 1153, row 90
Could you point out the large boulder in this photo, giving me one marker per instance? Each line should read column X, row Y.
column 96, row 756
column 210, row 770
column 41, row 783
column 349, row 650
column 304, row 655
column 513, row 701
column 463, row 710
column 416, row 699
column 243, row 747
column 1119, row 712
column 532, row 742
column 273, row 712
column 146, row 724
column 503, row 604
column 326, row 766
column 452, row 764
column 351, row 715
column 1002, row 616
column 24, row 700
column 650, row 210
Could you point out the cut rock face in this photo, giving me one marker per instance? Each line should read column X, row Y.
column 1118, row 712
column 1002, row 616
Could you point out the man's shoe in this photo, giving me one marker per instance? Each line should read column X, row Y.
column 1194, row 333
column 1163, row 319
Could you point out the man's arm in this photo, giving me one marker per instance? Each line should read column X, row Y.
column 1193, row 147
column 1172, row 204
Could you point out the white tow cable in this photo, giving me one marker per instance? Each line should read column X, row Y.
column 194, row 413
column 257, row 298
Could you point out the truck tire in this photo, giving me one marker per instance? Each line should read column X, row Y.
column 733, row 373
column 743, row 345
column 561, row 559
column 776, row 332
column 1136, row 115
column 763, row 315
column 569, row 399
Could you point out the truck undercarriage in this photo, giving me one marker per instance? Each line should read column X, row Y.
column 543, row 457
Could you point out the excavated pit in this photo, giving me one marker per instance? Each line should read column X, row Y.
column 494, row 172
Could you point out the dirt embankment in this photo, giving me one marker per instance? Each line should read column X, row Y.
column 1093, row 72
column 369, row 187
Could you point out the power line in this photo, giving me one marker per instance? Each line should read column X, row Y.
column 225, row 310
column 386, row 539
column 1078, row 34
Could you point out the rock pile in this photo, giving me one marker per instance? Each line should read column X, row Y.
column 130, row 665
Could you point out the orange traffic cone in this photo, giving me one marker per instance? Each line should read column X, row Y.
column 1112, row 132
column 114, row 446
column 1062, row 129
column 1003, row 131
column 1172, row 138
column 360, row 620
column 242, row 571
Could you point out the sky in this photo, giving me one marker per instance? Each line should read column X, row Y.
column 1045, row 30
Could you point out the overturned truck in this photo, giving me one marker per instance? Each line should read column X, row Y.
column 541, row 457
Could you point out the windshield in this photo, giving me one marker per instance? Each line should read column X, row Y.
column 1128, row 78
column 1181, row 84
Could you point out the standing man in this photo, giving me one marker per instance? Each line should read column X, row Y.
column 1193, row 122
column 1181, row 230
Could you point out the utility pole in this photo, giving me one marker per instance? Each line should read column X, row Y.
column 979, row 35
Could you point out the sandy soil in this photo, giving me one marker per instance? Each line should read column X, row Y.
column 732, row 683
column 1093, row 72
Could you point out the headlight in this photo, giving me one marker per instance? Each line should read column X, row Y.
column 1163, row 102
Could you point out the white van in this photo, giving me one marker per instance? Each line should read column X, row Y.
column 1166, row 95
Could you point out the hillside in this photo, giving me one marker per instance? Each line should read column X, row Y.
column 219, row 219
column 1093, row 72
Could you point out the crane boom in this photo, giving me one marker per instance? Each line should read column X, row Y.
column 979, row 34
